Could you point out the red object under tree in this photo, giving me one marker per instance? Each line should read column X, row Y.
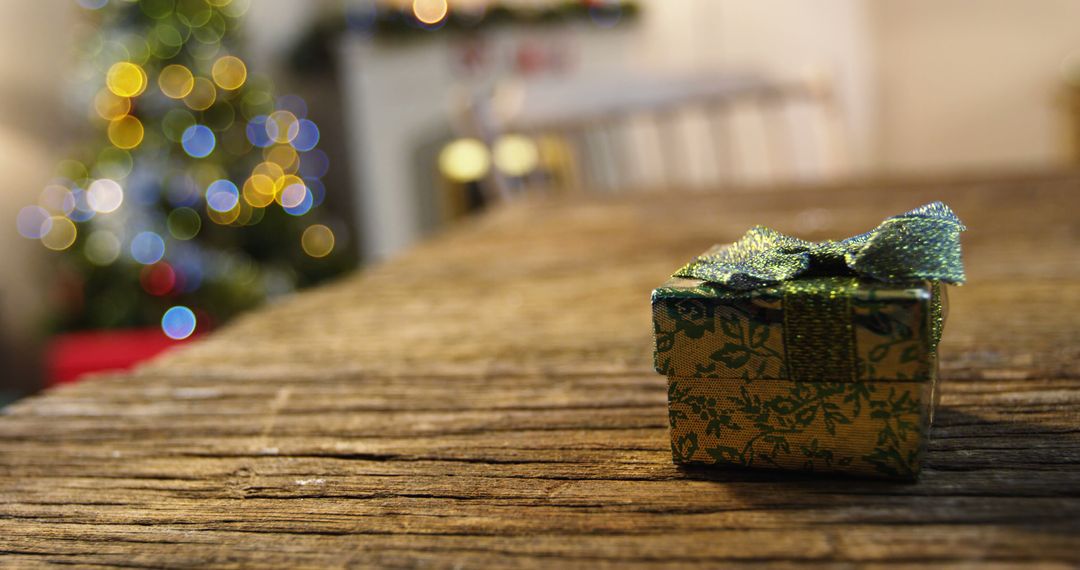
column 70, row 356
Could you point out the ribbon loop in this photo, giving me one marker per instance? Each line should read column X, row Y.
column 921, row 244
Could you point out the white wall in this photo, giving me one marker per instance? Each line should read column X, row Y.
column 788, row 38
column 966, row 84
column 34, row 50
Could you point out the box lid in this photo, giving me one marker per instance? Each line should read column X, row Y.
column 864, row 330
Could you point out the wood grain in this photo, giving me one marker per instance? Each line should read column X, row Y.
column 487, row 400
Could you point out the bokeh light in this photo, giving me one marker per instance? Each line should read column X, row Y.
column 219, row 117
column 82, row 211
column 259, row 190
column 317, row 240
column 306, row 136
column 125, row 132
column 303, row 206
column 165, row 40
column 224, row 218
column 229, row 72
column 284, row 156
column 176, row 81
column 294, row 104
column 222, row 196
column 110, row 106
column 318, row 190
column 175, row 122
column 314, row 164
column 183, row 223
column 280, row 126
column 72, row 170
column 102, row 247
column 147, row 248
column 32, row 222
column 202, row 94
column 158, row 279
column 515, row 155
column 60, row 235
column 126, row 79
column 430, row 12
column 198, row 141
column 293, row 194
column 178, row 322
column 271, row 169
column 256, row 132
column 465, row 160
column 114, row 163
column 57, row 199
column 104, row 195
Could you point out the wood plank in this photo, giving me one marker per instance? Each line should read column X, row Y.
column 488, row 400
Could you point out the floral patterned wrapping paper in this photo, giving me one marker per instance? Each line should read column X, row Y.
column 742, row 390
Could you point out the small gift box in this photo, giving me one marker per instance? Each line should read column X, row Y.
column 788, row 354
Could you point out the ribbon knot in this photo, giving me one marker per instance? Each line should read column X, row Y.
column 923, row 244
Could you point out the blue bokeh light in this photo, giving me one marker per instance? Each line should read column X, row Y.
column 147, row 248
column 82, row 211
column 222, row 196
column 304, row 135
column 318, row 191
column 314, row 164
column 33, row 222
column 256, row 132
column 293, row 104
column 303, row 207
column 178, row 322
column 198, row 141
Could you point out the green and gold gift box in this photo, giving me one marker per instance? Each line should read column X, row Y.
column 787, row 354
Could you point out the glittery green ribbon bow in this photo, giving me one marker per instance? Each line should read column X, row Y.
column 923, row 244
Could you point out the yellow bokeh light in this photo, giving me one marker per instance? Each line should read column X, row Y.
column 515, row 155
column 269, row 169
column 430, row 11
column 229, row 72
column 61, row 234
column 223, row 218
column 284, row 156
column 465, row 160
column 317, row 240
column 259, row 190
column 176, row 81
column 126, row 79
column 280, row 126
column 110, row 106
column 202, row 95
column 126, row 132
column 57, row 199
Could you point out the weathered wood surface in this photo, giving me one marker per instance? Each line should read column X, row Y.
column 487, row 400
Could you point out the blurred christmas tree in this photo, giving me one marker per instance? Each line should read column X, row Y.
column 198, row 197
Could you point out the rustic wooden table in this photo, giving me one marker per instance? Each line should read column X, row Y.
column 488, row 400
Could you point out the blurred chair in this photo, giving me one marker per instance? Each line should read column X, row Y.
column 653, row 133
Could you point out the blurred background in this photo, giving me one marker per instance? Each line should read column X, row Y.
column 170, row 164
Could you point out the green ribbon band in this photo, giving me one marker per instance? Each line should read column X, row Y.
column 819, row 341
column 920, row 245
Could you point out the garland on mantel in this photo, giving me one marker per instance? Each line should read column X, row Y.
column 398, row 24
